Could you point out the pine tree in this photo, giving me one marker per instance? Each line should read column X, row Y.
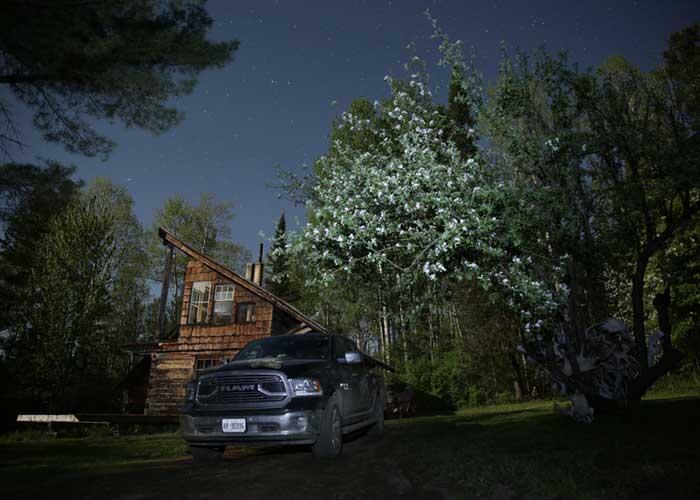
column 72, row 62
column 278, row 281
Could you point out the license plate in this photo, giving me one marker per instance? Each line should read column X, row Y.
column 233, row 425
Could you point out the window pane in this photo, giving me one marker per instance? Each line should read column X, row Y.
column 223, row 292
column 223, row 300
column 199, row 302
column 339, row 347
column 287, row 346
column 245, row 312
column 223, row 308
column 203, row 364
column 350, row 345
column 250, row 313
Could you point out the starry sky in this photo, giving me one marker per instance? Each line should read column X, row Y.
column 300, row 63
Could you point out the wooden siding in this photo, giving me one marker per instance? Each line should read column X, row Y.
column 169, row 375
column 174, row 363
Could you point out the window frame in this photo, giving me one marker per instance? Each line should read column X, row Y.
column 198, row 304
column 341, row 345
column 219, row 317
column 247, row 304
column 209, row 362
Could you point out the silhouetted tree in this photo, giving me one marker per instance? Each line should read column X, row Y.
column 30, row 196
column 119, row 60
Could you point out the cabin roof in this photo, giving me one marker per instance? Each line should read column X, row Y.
column 239, row 280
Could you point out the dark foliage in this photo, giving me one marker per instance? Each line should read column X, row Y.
column 122, row 60
column 30, row 196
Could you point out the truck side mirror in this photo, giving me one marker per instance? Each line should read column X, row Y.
column 353, row 358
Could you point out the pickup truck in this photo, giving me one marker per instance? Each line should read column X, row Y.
column 304, row 389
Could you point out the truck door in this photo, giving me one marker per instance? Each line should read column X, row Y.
column 350, row 381
column 345, row 379
column 361, row 381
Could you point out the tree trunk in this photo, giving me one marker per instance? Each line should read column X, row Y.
column 431, row 333
column 573, row 307
column 387, row 334
column 403, row 334
column 167, row 271
column 518, row 380
column 670, row 358
column 662, row 303
column 638, row 319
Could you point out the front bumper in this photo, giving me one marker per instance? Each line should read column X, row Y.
column 297, row 427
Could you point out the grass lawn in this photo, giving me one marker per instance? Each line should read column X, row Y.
column 520, row 451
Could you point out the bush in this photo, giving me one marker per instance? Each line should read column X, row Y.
column 685, row 380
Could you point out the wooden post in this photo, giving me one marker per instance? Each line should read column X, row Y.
column 164, row 291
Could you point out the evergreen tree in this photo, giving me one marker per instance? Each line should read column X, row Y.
column 119, row 60
column 277, row 269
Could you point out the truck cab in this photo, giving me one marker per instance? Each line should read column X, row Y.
column 305, row 389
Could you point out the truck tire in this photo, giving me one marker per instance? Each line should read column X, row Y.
column 377, row 429
column 330, row 441
column 203, row 454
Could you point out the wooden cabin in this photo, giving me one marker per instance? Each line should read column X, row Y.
column 221, row 312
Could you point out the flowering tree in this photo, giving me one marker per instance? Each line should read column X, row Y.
column 401, row 203
column 568, row 194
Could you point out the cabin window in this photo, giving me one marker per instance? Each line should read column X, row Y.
column 245, row 312
column 199, row 302
column 203, row 364
column 223, row 301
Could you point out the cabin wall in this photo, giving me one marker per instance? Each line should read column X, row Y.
column 174, row 364
column 197, row 271
column 170, row 372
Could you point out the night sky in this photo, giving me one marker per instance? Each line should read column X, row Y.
column 301, row 63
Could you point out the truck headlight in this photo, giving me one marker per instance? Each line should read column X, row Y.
column 305, row 387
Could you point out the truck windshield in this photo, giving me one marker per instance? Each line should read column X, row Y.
column 287, row 347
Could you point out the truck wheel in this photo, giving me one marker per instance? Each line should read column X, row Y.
column 202, row 454
column 377, row 429
column 330, row 440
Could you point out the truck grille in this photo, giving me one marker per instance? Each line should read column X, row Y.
column 227, row 388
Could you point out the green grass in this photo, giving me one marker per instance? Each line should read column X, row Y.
column 37, row 455
column 538, row 454
column 525, row 450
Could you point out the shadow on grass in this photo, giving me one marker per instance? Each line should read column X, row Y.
column 652, row 452
column 540, row 454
